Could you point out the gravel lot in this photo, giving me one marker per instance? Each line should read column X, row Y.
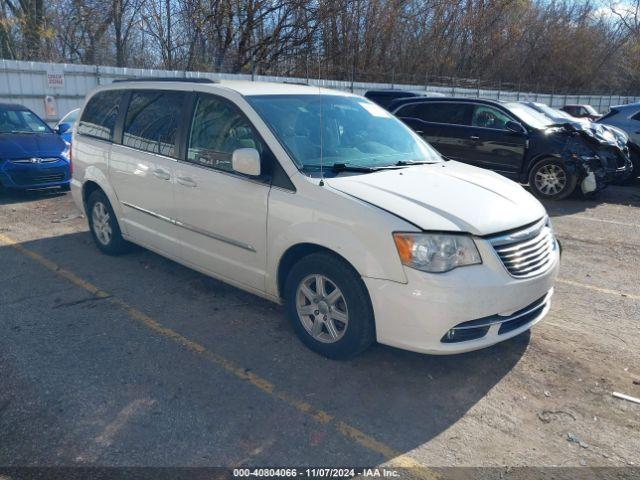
column 136, row 360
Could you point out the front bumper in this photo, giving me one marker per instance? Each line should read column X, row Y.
column 419, row 315
column 34, row 175
column 616, row 163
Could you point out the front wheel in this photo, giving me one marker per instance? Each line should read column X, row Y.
column 329, row 307
column 549, row 179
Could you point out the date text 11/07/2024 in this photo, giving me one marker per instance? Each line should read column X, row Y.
column 315, row 472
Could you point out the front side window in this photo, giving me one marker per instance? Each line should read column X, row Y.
column 336, row 129
column 153, row 118
column 21, row 121
column 489, row 117
column 438, row 112
column 100, row 115
column 219, row 128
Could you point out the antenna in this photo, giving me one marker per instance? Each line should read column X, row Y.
column 321, row 125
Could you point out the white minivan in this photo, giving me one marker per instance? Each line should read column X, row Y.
column 320, row 200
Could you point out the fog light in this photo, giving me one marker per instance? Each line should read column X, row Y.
column 456, row 335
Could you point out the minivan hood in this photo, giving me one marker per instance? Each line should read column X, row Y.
column 17, row 145
column 448, row 196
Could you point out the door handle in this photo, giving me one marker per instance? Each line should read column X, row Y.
column 186, row 181
column 474, row 137
column 161, row 174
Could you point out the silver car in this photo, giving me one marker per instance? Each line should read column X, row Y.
column 627, row 118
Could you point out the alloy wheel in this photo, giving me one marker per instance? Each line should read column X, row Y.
column 322, row 308
column 101, row 222
column 550, row 179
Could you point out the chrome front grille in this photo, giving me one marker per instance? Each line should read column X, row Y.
column 35, row 160
column 527, row 252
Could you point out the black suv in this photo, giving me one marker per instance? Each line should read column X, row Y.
column 384, row 98
column 514, row 140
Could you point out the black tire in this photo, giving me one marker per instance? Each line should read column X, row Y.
column 116, row 244
column 359, row 333
column 569, row 185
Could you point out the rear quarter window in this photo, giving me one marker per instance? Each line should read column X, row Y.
column 99, row 116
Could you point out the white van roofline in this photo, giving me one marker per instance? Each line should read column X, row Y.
column 243, row 87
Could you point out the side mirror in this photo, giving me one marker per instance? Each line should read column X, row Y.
column 514, row 127
column 63, row 128
column 246, row 161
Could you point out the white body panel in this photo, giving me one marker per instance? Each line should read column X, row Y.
column 238, row 229
column 144, row 185
column 222, row 220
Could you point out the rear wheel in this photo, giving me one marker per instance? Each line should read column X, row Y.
column 329, row 307
column 549, row 179
column 104, row 225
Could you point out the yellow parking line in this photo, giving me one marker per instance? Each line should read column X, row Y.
column 393, row 457
column 598, row 289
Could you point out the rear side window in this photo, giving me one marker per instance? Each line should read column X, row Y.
column 438, row 112
column 152, row 122
column 219, row 128
column 635, row 117
column 100, row 115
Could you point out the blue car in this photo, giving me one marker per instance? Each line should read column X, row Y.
column 32, row 155
column 65, row 124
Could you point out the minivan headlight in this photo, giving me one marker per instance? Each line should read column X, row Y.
column 436, row 252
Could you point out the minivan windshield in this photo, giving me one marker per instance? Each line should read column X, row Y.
column 340, row 130
column 21, row 121
column 528, row 115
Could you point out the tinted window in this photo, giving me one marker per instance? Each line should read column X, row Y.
column 489, row 117
column 219, row 128
column 100, row 114
column 635, row 117
column 438, row 112
column 384, row 99
column 153, row 118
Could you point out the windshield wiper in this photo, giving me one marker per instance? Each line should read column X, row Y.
column 345, row 167
column 408, row 163
column 23, row 131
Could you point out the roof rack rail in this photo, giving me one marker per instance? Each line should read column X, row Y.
column 166, row 79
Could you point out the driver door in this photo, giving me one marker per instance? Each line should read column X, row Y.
column 491, row 144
